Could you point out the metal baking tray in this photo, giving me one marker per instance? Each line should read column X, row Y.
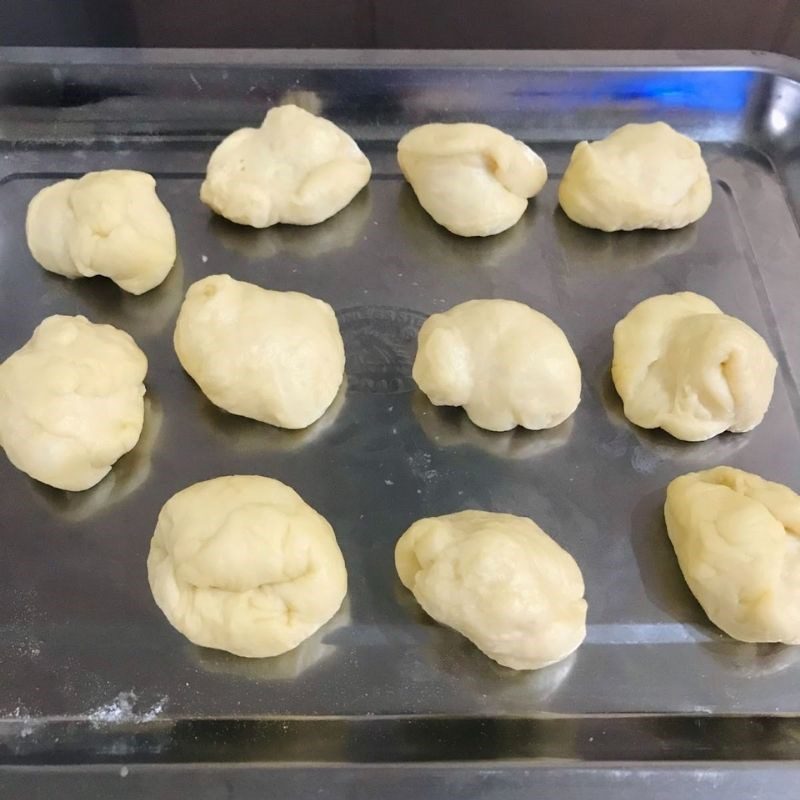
column 99, row 696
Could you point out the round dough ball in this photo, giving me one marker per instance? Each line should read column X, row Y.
column 107, row 223
column 682, row 365
column 277, row 357
column 472, row 179
column 71, row 401
column 296, row 168
column 241, row 563
column 640, row 176
column 505, row 363
column 499, row 580
column 737, row 538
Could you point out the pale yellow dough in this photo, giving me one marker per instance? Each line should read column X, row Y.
column 71, row 401
column 682, row 365
column 108, row 223
column 499, row 580
column 737, row 538
column 241, row 563
column 277, row 357
column 504, row 362
column 296, row 168
column 640, row 176
column 473, row 179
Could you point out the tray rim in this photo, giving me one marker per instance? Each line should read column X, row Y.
column 547, row 60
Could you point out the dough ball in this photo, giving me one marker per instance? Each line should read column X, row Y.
column 505, row 363
column 737, row 538
column 71, row 401
column 640, row 176
column 296, row 168
column 277, row 357
column 473, row 179
column 107, row 223
column 682, row 365
column 499, row 580
column 243, row 564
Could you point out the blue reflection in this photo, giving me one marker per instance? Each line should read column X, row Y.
column 709, row 90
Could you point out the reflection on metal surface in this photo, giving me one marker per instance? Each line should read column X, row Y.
column 306, row 242
column 753, row 660
column 440, row 247
column 587, row 252
column 308, row 654
column 655, row 447
column 247, row 435
column 127, row 475
column 451, row 427
column 147, row 314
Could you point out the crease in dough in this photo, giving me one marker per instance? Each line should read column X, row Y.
column 639, row 176
column 504, row 362
column 499, row 580
column 737, row 539
column 682, row 365
column 472, row 179
column 296, row 168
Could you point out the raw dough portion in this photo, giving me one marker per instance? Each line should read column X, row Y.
column 640, row 176
column 682, row 365
column 107, row 223
column 241, row 563
column 71, row 401
column 296, row 168
column 473, row 179
column 499, row 580
column 737, row 538
column 504, row 362
column 277, row 357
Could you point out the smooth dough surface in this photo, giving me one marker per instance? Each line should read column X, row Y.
column 504, row 362
column 640, row 176
column 71, row 401
column 108, row 223
column 737, row 538
column 277, row 357
column 682, row 365
column 296, row 168
column 241, row 563
column 499, row 580
column 473, row 179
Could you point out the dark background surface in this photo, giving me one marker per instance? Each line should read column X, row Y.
column 530, row 24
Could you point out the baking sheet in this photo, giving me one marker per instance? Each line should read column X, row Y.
column 90, row 671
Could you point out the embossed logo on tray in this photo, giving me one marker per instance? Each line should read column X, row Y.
column 380, row 343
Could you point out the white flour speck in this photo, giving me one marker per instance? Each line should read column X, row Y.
column 123, row 709
column 388, row 482
column 123, row 772
column 204, row 258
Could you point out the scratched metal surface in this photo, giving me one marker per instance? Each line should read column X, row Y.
column 88, row 663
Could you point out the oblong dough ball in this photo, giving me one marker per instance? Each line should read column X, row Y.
column 71, row 401
column 295, row 168
column 682, row 365
column 737, row 539
column 277, row 357
column 473, row 179
column 499, row 580
column 108, row 223
column 241, row 563
column 639, row 176
column 505, row 363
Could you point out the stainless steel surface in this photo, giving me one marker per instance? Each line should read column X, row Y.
column 90, row 671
